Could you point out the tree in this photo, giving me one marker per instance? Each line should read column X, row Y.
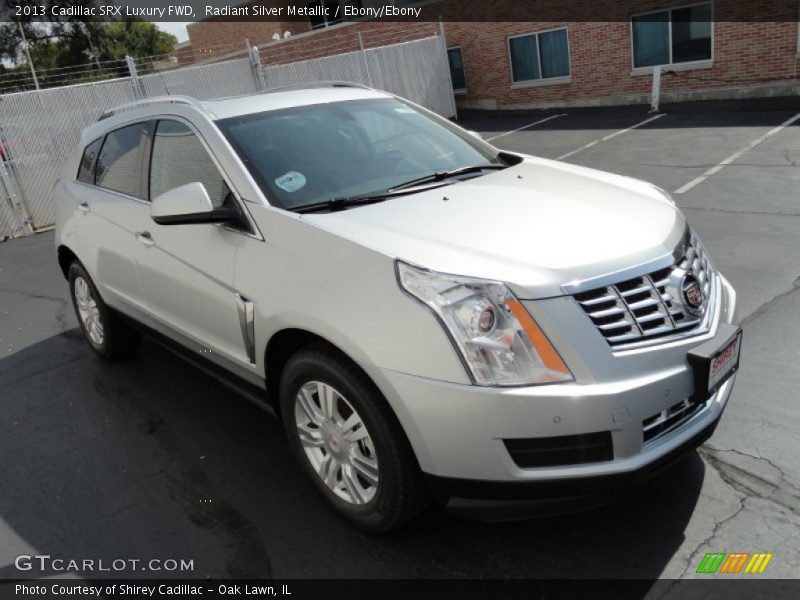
column 63, row 43
column 135, row 38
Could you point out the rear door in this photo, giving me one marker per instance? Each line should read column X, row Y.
column 112, row 212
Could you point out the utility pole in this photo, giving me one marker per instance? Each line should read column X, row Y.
column 28, row 55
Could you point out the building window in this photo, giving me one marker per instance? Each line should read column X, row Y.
column 678, row 35
column 327, row 13
column 538, row 56
column 456, row 60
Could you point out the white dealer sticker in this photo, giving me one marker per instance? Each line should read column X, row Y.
column 291, row 181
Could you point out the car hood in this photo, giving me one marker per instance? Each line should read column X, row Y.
column 536, row 226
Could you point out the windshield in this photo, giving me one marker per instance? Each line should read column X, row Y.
column 311, row 154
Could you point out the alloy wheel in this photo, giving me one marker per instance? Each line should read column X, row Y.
column 88, row 311
column 336, row 442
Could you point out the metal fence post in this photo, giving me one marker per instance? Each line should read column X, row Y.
column 655, row 94
column 447, row 62
column 364, row 60
column 255, row 65
column 28, row 55
column 17, row 206
column 136, row 84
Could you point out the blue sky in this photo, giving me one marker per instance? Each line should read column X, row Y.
column 177, row 29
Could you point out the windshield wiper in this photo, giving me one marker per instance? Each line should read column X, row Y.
column 442, row 175
column 335, row 204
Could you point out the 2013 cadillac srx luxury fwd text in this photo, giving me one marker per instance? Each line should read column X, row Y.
column 431, row 318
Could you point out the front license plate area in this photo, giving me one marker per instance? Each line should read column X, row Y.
column 714, row 363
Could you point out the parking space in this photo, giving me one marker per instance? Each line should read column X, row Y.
column 668, row 149
column 553, row 133
column 151, row 458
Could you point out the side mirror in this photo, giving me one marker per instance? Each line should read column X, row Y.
column 188, row 204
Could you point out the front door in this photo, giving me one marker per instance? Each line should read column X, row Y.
column 187, row 270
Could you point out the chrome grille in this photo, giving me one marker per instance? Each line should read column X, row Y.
column 652, row 305
column 662, row 423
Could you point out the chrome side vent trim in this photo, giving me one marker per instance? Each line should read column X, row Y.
column 247, row 321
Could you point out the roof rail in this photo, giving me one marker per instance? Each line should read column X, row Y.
column 315, row 84
column 177, row 99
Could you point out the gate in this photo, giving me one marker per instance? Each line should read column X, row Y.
column 39, row 129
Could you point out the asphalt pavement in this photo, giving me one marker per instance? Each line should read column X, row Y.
column 152, row 459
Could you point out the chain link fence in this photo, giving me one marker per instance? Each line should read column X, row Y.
column 416, row 70
column 10, row 221
column 39, row 129
column 229, row 78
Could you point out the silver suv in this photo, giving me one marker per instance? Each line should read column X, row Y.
column 430, row 317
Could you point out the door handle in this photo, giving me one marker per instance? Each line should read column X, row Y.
column 144, row 238
column 84, row 207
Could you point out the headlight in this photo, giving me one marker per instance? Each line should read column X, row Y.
column 497, row 338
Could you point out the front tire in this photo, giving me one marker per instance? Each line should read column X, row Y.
column 107, row 335
column 349, row 441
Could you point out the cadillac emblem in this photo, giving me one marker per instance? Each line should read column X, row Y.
column 692, row 292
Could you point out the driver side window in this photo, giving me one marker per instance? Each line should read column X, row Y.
column 179, row 157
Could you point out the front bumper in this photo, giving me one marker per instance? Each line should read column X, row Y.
column 459, row 431
column 506, row 501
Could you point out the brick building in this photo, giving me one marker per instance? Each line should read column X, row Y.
column 576, row 53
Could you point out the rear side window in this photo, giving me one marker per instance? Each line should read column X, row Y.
column 119, row 166
column 85, row 172
column 179, row 157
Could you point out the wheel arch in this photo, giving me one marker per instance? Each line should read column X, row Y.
column 65, row 258
column 285, row 342
column 280, row 348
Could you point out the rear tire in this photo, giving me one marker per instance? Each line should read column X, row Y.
column 106, row 334
column 349, row 441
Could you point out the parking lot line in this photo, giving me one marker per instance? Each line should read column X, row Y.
column 540, row 121
column 611, row 135
column 718, row 167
